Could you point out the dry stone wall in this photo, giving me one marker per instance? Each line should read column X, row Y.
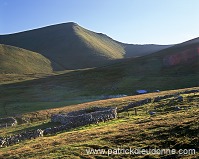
column 176, row 96
column 85, row 117
column 14, row 139
column 77, row 118
column 5, row 122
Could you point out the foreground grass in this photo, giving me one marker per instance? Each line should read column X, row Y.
column 176, row 130
column 167, row 129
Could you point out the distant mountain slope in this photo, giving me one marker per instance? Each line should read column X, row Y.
column 20, row 61
column 192, row 41
column 181, row 58
column 69, row 46
column 133, row 50
column 171, row 68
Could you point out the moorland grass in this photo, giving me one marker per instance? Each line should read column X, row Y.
column 167, row 129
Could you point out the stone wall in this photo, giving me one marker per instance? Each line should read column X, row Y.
column 176, row 97
column 14, row 139
column 89, row 116
column 137, row 103
column 86, row 116
column 10, row 121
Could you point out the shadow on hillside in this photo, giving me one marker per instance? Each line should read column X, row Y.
column 42, row 126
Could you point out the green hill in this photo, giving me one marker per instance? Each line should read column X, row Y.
column 70, row 46
column 172, row 68
column 20, row 61
column 179, row 59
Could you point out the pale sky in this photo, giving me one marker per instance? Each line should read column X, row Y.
column 129, row 21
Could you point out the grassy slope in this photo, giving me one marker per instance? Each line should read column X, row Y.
column 167, row 129
column 133, row 50
column 100, row 43
column 20, row 61
column 69, row 46
column 79, row 86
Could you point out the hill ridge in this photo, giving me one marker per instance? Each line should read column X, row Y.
column 43, row 27
column 70, row 46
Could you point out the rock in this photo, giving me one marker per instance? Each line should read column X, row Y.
column 177, row 108
column 179, row 99
column 2, row 141
column 152, row 113
column 158, row 98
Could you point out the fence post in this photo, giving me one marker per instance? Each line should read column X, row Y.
column 135, row 111
column 128, row 113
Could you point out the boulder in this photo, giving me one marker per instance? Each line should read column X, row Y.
column 152, row 113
